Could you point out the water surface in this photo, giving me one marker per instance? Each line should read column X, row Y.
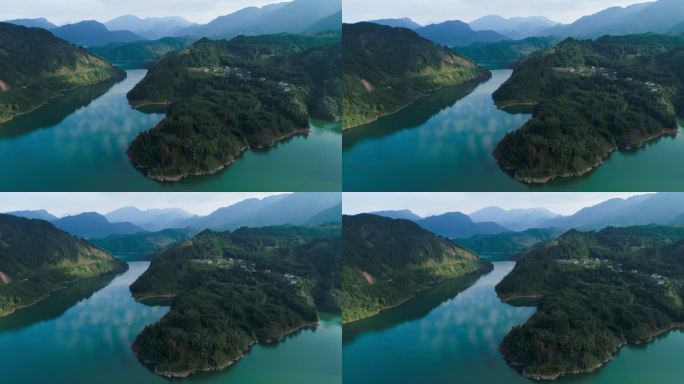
column 454, row 339
column 78, row 143
column 445, row 142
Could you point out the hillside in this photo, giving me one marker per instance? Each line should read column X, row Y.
column 654, row 17
column 226, row 97
column 594, row 97
column 508, row 245
column 35, row 214
column 456, row 33
column 457, row 225
column 32, row 23
column 384, row 69
column 142, row 245
column 516, row 219
column 506, row 54
column 596, row 291
column 36, row 259
column 232, row 290
column 90, row 33
column 148, row 27
column 513, row 27
column 35, row 67
column 386, row 261
column 141, row 53
column 398, row 23
column 92, row 225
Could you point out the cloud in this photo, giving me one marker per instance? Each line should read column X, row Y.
column 428, row 11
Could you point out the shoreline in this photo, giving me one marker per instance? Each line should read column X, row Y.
column 543, row 180
column 184, row 374
column 477, row 80
column 428, row 286
column 62, row 94
column 176, row 178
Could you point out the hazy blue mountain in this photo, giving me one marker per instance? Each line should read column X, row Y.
column 330, row 215
column 293, row 17
column 94, row 225
column 40, row 214
column 330, row 23
column 398, row 23
column 90, row 33
column 658, row 17
column 660, row 208
column 150, row 27
column 515, row 219
column 400, row 214
column 679, row 28
column 295, row 208
column 149, row 219
column 456, row 33
column 33, row 23
column 514, row 27
column 458, row 226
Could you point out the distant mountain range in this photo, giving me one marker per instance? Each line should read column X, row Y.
column 33, row 23
column 453, row 33
column 455, row 225
column 514, row 219
column 151, row 28
column 661, row 16
column 91, row 33
column 514, row 27
column 306, row 208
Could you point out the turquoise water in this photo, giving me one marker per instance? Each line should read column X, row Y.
column 82, row 334
column 445, row 142
column 454, row 339
column 78, row 143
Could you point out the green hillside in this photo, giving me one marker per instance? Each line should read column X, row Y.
column 35, row 67
column 508, row 245
column 591, row 98
column 229, row 96
column 386, row 261
column 596, row 291
column 143, row 245
column 505, row 54
column 36, row 259
column 385, row 69
column 232, row 290
column 141, row 53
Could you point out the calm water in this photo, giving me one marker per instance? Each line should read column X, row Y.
column 456, row 341
column 83, row 335
column 78, row 143
column 444, row 143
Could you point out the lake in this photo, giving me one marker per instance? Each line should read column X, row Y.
column 78, row 143
column 82, row 334
column 454, row 339
column 444, row 142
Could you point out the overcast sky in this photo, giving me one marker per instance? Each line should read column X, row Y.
column 65, row 11
column 61, row 204
column 426, row 204
column 429, row 11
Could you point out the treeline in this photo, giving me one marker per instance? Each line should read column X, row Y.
column 386, row 261
column 384, row 69
column 234, row 289
column 595, row 292
column 35, row 67
column 229, row 96
column 591, row 98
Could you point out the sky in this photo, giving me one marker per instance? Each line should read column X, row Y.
column 62, row 204
column 65, row 11
column 426, row 204
column 430, row 11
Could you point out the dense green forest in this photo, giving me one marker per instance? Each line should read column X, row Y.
column 505, row 54
column 508, row 244
column 35, row 67
column 229, row 96
column 386, row 261
column 595, row 291
column 590, row 98
column 143, row 245
column 234, row 289
column 385, row 69
column 36, row 258
column 141, row 53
